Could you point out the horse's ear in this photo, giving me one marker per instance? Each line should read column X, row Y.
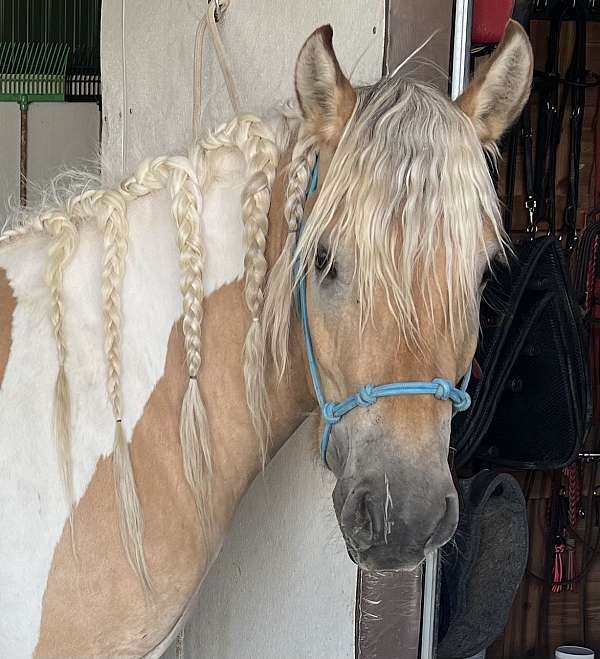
column 324, row 93
column 500, row 88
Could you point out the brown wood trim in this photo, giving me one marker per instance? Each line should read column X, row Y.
column 408, row 24
column 392, row 628
column 388, row 615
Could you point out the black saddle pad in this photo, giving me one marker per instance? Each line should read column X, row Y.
column 532, row 402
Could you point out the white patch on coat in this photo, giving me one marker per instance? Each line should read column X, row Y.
column 387, row 523
column 33, row 511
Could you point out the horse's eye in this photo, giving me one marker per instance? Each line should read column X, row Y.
column 323, row 265
column 321, row 258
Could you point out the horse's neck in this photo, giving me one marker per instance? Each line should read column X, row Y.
column 154, row 379
column 151, row 307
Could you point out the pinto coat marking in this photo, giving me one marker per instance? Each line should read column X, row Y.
column 58, row 605
column 30, row 488
column 7, row 308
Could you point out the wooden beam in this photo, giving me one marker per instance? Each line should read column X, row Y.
column 410, row 23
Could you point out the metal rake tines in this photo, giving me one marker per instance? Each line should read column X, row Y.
column 33, row 71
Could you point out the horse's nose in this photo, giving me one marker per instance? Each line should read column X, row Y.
column 446, row 525
column 369, row 518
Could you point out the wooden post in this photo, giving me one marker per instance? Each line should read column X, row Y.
column 412, row 22
column 396, row 611
column 23, row 162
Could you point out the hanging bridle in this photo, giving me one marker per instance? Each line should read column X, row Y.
column 333, row 412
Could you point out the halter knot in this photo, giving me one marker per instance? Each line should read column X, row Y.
column 443, row 389
column 365, row 396
column 329, row 414
column 464, row 403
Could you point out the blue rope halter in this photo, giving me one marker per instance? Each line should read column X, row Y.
column 333, row 412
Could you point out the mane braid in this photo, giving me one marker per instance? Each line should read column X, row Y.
column 65, row 239
column 185, row 178
column 278, row 303
column 185, row 184
column 260, row 147
column 115, row 251
column 262, row 157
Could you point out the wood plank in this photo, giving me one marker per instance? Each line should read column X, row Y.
column 410, row 23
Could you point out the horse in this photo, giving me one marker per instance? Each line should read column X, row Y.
column 152, row 358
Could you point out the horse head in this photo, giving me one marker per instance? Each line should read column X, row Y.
column 393, row 250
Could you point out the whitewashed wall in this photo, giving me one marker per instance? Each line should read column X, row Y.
column 283, row 586
column 60, row 135
column 148, row 103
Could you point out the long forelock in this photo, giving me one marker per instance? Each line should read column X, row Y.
column 410, row 189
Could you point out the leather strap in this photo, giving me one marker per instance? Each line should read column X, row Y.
column 553, row 106
column 575, row 87
column 596, row 124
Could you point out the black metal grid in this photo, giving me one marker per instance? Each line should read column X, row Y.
column 74, row 22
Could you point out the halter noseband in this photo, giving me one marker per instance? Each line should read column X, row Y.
column 333, row 412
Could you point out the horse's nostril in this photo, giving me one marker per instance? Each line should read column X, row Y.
column 374, row 512
column 447, row 524
column 359, row 518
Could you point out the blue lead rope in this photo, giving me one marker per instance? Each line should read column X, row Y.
column 333, row 412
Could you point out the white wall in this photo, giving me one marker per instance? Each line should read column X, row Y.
column 153, row 100
column 60, row 135
column 283, row 586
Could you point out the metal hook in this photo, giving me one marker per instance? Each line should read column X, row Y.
column 531, row 205
column 218, row 10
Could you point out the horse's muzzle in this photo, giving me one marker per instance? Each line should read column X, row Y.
column 387, row 531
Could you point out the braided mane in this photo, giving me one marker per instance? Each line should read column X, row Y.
column 185, row 178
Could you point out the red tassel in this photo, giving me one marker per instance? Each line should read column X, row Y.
column 594, row 357
column 591, row 276
column 557, row 568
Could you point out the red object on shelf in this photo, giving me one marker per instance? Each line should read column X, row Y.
column 489, row 20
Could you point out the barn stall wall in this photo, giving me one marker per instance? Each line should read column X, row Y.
column 148, row 102
column 283, row 585
column 59, row 134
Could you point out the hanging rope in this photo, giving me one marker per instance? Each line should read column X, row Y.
column 214, row 13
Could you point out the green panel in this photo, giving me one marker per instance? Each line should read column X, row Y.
column 33, row 72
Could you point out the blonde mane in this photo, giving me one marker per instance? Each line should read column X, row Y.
column 408, row 185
